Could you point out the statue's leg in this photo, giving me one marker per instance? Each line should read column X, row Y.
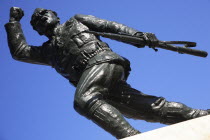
column 90, row 99
column 134, row 104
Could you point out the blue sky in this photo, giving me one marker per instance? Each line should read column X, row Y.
column 36, row 103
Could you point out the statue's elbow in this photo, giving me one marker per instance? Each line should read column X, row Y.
column 13, row 52
column 15, row 56
column 19, row 51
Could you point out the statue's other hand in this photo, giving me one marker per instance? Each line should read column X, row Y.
column 151, row 40
column 16, row 14
column 139, row 35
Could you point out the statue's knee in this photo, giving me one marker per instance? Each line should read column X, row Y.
column 83, row 104
column 158, row 104
column 162, row 105
column 78, row 108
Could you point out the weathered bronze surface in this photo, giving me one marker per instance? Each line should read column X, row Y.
column 99, row 74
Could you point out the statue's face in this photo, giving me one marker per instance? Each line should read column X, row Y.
column 46, row 21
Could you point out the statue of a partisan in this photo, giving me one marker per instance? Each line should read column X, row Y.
column 99, row 74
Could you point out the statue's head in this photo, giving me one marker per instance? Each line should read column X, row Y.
column 44, row 21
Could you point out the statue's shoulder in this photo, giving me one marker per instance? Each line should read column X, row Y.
column 82, row 17
column 79, row 16
column 70, row 22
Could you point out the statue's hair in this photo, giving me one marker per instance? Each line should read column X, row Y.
column 37, row 14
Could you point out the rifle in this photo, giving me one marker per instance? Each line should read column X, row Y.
column 161, row 44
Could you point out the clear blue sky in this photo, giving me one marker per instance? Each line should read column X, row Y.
column 36, row 103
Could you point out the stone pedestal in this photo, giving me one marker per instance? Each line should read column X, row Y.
column 195, row 129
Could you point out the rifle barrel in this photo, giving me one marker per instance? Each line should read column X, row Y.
column 183, row 50
column 135, row 40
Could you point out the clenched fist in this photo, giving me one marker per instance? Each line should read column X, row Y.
column 16, row 14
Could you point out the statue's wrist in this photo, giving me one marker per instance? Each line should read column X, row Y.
column 139, row 34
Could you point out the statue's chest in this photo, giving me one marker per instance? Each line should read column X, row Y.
column 66, row 47
column 65, row 40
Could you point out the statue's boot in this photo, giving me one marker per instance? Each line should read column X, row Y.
column 110, row 119
column 173, row 112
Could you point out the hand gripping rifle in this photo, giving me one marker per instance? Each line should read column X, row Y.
column 161, row 44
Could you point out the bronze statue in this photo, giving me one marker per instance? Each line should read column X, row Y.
column 76, row 52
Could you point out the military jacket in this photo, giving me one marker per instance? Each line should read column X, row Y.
column 71, row 50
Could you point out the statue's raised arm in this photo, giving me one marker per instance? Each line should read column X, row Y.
column 18, row 46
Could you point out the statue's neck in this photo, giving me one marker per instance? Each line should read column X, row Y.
column 52, row 32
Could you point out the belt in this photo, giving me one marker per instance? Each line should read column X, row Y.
column 92, row 49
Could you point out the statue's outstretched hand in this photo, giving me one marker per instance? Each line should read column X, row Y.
column 16, row 14
column 151, row 40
